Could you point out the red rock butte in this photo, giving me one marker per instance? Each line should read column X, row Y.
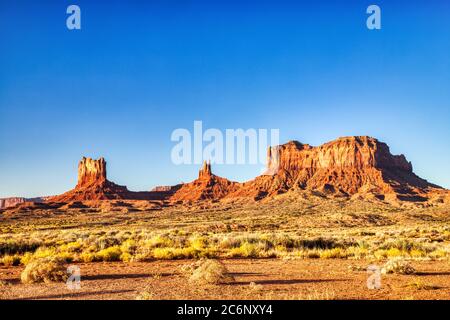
column 93, row 184
column 354, row 167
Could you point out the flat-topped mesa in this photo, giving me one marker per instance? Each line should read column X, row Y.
column 91, row 172
column 360, row 152
column 205, row 171
column 348, row 165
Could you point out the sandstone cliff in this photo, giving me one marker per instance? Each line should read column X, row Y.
column 346, row 166
column 14, row 201
column 358, row 166
column 350, row 166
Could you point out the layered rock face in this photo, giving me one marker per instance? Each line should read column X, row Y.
column 346, row 166
column 91, row 172
column 349, row 152
column 93, row 184
column 351, row 167
column 11, row 202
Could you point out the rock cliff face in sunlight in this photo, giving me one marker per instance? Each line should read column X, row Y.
column 357, row 167
column 351, row 166
column 93, row 184
column 91, row 172
column 347, row 166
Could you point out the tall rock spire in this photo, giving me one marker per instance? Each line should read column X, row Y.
column 205, row 171
column 91, row 171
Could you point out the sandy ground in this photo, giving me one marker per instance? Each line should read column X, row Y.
column 273, row 279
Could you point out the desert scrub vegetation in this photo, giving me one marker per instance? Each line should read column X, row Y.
column 44, row 270
column 207, row 272
column 140, row 244
column 398, row 266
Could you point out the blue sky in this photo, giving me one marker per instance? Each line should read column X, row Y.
column 136, row 71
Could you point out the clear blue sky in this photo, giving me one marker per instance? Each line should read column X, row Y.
column 135, row 72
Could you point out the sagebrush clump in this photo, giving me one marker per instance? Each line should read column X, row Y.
column 44, row 270
column 207, row 272
column 398, row 266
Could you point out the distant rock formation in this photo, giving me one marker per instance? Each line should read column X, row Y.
column 91, row 172
column 13, row 201
column 353, row 167
column 93, row 184
column 207, row 187
column 347, row 166
column 162, row 189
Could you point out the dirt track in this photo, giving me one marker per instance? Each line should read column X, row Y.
column 273, row 278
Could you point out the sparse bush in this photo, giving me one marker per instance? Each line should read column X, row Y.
column 318, row 243
column 208, row 272
column 415, row 253
column 4, row 284
column 87, row 257
column 311, row 254
column 109, row 254
column 439, row 254
column 160, row 242
column 399, row 266
column 9, row 261
column 336, row 253
column 246, row 250
column 358, row 252
column 44, row 270
column 129, row 246
column 18, row 246
column 198, row 243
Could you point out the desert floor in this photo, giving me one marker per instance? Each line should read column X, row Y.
column 295, row 247
column 255, row 279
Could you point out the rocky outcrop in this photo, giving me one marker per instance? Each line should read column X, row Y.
column 93, row 184
column 162, row 189
column 11, row 202
column 207, row 187
column 346, row 166
column 14, row 201
column 360, row 167
column 353, row 167
column 91, row 172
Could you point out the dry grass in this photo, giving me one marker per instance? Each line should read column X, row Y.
column 44, row 270
column 287, row 228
